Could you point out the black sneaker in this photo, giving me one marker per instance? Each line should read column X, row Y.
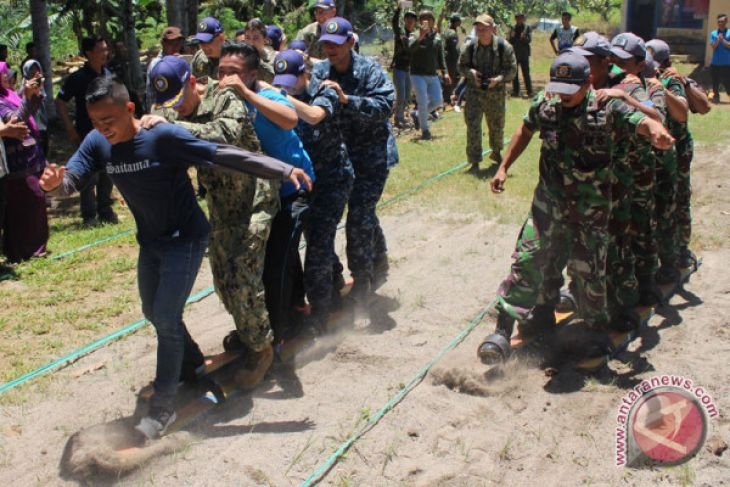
column 414, row 117
column 156, row 422
column 90, row 222
column 426, row 135
column 109, row 218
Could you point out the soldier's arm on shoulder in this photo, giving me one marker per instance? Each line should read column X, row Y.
column 677, row 105
column 225, row 126
column 377, row 102
column 622, row 115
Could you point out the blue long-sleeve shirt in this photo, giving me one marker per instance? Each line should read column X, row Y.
column 151, row 172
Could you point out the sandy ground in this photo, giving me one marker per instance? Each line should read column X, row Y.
column 461, row 426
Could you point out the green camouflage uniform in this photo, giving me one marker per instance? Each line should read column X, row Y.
column 203, row 67
column 568, row 224
column 632, row 226
column 491, row 61
column 667, row 180
column 685, row 152
column 266, row 65
column 241, row 209
column 310, row 35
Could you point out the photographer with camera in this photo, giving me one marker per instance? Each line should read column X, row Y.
column 427, row 57
column 487, row 63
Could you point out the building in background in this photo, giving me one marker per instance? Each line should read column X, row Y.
column 685, row 24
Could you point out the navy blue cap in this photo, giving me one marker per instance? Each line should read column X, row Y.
column 628, row 45
column 299, row 45
column 208, row 28
column 169, row 77
column 288, row 65
column 336, row 30
column 659, row 49
column 325, row 4
column 592, row 44
column 568, row 72
column 274, row 34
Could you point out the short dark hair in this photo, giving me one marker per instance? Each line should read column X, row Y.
column 88, row 43
column 247, row 52
column 256, row 24
column 107, row 87
column 719, row 16
column 567, row 14
column 240, row 32
column 30, row 45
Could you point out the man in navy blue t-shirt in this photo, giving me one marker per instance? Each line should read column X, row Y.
column 150, row 169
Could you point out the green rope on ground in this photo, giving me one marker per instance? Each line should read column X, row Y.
column 115, row 236
column 325, row 467
column 92, row 244
column 91, row 346
column 197, row 297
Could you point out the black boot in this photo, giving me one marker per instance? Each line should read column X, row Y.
column 540, row 320
column 495, row 348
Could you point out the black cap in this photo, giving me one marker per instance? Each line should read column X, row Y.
column 568, row 72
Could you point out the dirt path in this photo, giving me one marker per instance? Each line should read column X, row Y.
column 459, row 427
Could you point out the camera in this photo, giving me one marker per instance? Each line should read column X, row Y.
column 484, row 80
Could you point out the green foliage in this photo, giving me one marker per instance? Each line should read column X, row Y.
column 226, row 15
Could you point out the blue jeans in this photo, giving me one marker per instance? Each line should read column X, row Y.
column 166, row 272
column 402, row 81
column 428, row 96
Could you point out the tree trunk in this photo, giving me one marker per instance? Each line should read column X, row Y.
column 41, row 37
column 176, row 14
column 269, row 8
column 130, row 40
column 191, row 19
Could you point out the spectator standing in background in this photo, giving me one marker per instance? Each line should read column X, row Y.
column 401, row 63
column 25, row 221
column 487, row 63
column 520, row 36
column 427, row 58
column 451, row 52
column 720, row 62
column 565, row 35
column 96, row 196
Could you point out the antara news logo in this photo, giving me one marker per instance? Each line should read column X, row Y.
column 662, row 421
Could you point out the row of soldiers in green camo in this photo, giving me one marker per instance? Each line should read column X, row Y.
column 612, row 204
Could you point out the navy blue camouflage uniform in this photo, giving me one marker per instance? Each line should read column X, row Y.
column 365, row 124
column 325, row 145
